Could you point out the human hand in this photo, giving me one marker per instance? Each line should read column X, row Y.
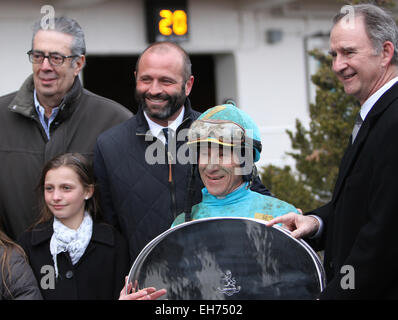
column 300, row 226
column 144, row 294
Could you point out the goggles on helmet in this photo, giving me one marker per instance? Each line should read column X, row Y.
column 217, row 131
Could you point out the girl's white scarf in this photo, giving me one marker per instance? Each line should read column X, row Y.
column 74, row 242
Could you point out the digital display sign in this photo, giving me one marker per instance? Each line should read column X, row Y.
column 167, row 20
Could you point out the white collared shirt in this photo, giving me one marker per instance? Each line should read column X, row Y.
column 42, row 113
column 156, row 129
column 370, row 102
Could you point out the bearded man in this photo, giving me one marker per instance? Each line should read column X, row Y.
column 138, row 195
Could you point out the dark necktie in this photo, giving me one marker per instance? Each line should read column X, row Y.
column 166, row 135
column 173, row 204
column 357, row 126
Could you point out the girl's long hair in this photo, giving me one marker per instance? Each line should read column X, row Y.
column 8, row 247
column 83, row 168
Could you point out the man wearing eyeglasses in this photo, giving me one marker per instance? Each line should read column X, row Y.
column 50, row 114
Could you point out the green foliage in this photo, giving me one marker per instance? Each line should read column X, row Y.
column 289, row 188
column 321, row 147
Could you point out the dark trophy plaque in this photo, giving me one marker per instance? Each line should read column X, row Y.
column 229, row 258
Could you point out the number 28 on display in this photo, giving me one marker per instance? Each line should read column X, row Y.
column 173, row 22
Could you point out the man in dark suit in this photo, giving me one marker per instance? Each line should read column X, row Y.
column 357, row 227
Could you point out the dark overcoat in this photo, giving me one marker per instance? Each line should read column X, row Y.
column 361, row 252
column 99, row 274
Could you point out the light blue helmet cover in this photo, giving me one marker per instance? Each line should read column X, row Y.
column 231, row 113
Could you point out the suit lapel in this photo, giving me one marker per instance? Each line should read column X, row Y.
column 353, row 150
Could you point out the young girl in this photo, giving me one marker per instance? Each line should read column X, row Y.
column 16, row 277
column 72, row 255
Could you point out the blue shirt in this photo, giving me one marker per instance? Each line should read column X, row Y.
column 240, row 203
column 46, row 123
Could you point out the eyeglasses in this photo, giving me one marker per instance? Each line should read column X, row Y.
column 55, row 59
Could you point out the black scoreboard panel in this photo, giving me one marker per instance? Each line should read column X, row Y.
column 167, row 20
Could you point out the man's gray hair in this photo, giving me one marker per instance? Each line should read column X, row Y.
column 380, row 26
column 68, row 26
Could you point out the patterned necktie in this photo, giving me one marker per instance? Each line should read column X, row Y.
column 357, row 126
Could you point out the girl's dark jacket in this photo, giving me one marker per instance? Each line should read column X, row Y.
column 99, row 274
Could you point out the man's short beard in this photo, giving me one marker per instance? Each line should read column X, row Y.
column 174, row 103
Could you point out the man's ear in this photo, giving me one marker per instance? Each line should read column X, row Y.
column 387, row 53
column 79, row 64
column 188, row 85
